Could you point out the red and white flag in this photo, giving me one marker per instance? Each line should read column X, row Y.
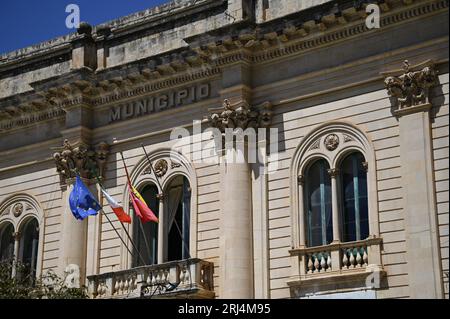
column 116, row 208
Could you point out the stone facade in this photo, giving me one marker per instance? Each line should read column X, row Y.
column 310, row 69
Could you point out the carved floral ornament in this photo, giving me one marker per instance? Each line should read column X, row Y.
column 241, row 115
column 161, row 167
column 331, row 142
column 83, row 159
column 411, row 85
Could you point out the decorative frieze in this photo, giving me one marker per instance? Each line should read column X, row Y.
column 82, row 159
column 412, row 86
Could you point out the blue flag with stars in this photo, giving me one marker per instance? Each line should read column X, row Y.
column 82, row 202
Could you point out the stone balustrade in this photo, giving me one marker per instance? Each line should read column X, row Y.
column 339, row 259
column 192, row 278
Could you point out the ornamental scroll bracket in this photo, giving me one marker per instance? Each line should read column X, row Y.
column 81, row 158
column 410, row 86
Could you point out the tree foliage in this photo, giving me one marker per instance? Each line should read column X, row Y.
column 25, row 286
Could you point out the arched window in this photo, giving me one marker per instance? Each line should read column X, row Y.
column 6, row 242
column 146, row 235
column 355, row 219
column 28, row 247
column 318, row 204
column 178, row 218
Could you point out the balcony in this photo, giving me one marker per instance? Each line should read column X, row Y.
column 191, row 278
column 337, row 266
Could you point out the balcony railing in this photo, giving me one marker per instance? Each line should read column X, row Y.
column 192, row 278
column 336, row 260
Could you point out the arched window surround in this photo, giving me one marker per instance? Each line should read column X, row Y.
column 314, row 146
column 31, row 209
column 177, row 165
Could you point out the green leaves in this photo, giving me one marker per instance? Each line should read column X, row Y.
column 25, row 286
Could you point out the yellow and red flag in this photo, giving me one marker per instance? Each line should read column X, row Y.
column 140, row 206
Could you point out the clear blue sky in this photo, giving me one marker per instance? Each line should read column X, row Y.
column 27, row 22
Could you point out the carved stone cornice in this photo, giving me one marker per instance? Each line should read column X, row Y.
column 206, row 55
column 258, row 44
column 410, row 87
column 89, row 162
column 240, row 115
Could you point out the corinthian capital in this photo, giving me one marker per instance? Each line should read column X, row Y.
column 410, row 86
column 240, row 115
column 83, row 159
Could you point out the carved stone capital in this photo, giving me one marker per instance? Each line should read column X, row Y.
column 365, row 166
column 301, row 179
column 334, row 172
column 410, row 86
column 240, row 115
column 83, row 159
column 17, row 235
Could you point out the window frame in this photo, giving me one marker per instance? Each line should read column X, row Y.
column 312, row 145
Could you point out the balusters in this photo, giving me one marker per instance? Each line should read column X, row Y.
column 155, row 278
column 318, row 262
column 310, row 264
column 352, row 259
column 365, row 258
column 358, row 258
column 345, row 260
column 355, row 257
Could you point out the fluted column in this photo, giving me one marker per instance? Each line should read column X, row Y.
column 334, row 173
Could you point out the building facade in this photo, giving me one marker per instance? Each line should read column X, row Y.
column 345, row 196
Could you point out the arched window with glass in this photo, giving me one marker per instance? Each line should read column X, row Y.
column 28, row 247
column 6, row 242
column 317, row 194
column 146, row 234
column 178, row 218
column 354, row 205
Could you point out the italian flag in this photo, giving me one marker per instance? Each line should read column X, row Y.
column 116, row 208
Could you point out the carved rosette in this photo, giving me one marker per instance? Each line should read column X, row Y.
column 331, row 142
column 240, row 115
column 87, row 161
column 412, row 86
column 17, row 209
column 161, row 168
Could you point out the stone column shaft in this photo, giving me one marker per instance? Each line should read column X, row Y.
column 236, row 231
column 335, row 204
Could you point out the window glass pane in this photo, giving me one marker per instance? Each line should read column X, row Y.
column 179, row 219
column 146, row 235
column 29, row 243
column 355, row 223
column 6, row 242
column 318, row 204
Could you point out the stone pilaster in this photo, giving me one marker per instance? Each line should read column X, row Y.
column 237, row 230
column 410, row 92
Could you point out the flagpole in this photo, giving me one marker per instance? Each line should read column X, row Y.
column 157, row 180
column 131, row 189
column 124, row 228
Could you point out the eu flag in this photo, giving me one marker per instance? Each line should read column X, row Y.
column 82, row 202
